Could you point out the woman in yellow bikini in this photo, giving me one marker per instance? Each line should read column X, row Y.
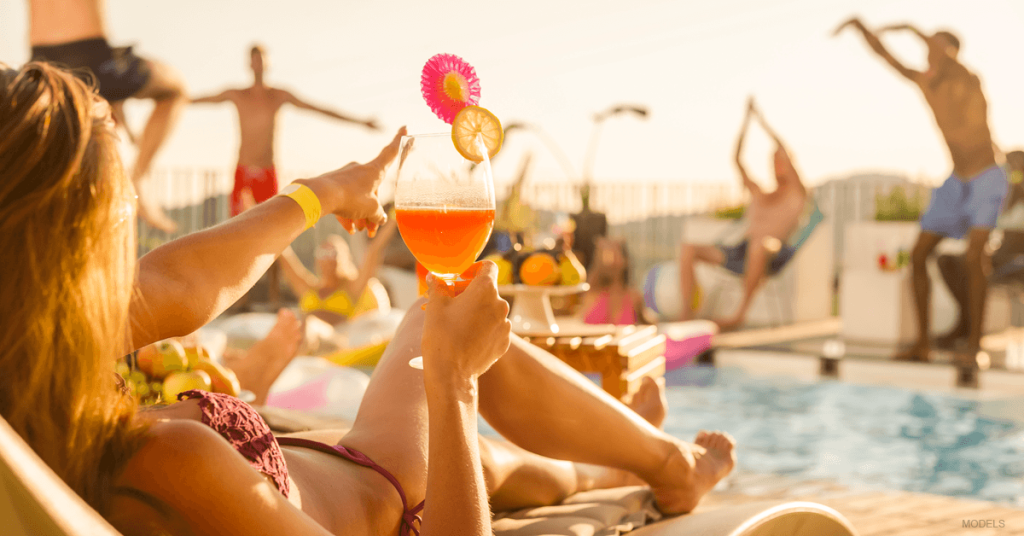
column 329, row 297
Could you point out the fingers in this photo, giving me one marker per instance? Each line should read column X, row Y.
column 390, row 151
column 347, row 224
column 482, row 273
column 437, row 290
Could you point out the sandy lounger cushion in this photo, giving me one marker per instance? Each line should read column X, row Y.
column 631, row 511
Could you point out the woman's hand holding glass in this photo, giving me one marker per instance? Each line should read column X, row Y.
column 464, row 335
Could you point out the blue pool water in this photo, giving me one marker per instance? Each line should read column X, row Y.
column 857, row 435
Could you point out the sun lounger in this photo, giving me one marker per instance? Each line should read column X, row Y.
column 34, row 501
column 631, row 511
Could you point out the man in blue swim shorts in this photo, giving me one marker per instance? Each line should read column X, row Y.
column 72, row 34
column 968, row 203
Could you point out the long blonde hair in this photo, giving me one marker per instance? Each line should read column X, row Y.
column 66, row 279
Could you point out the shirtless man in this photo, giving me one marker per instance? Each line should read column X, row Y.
column 968, row 203
column 72, row 33
column 257, row 107
column 772, row 218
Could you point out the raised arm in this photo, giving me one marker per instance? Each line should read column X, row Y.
column 303, row 105
column 879, row 48
column 764, row 124
column 184, row 284
column 462, row 338
column 223, row 96
column 903, row 27
column 373, row 257
column 747, row 183
column 295, row 273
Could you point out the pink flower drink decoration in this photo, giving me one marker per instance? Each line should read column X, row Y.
column 449, row 84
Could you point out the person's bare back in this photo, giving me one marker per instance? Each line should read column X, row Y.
column 961, row 113
column 952, row 92
column 60, row 21
column 967, row 203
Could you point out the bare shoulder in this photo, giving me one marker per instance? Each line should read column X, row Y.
column 282, row 95
column 175, row 447
column 157, row 484
column 189, row 477
column 960, row 75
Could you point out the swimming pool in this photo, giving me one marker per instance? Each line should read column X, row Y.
column 859, row 436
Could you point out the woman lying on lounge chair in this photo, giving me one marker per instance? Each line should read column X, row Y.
column 74, row 298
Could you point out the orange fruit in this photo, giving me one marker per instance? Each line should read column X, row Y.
column 539, row 269
column 473, row 123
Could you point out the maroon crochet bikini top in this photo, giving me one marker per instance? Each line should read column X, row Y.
column 247, row 432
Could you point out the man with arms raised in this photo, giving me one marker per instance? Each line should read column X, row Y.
column 968, row 203
column 72, row 34
column 257, row 107
column 771, row 218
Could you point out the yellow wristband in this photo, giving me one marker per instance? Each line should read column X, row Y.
column 307, row 200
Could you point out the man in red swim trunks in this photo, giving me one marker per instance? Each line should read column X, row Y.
column 257, row 107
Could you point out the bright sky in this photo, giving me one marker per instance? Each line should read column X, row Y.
column 554, row 64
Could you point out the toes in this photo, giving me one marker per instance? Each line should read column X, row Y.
column 722, row 441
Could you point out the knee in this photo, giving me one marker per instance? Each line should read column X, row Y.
column 170, row 84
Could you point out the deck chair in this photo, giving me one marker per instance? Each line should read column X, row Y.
column 34, row 501
column 630, row 511
column 773, row 288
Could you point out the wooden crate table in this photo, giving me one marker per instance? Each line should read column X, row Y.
column 622, row 355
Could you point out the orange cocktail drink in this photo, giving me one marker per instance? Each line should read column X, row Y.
column 444, row 206
column 444, row 240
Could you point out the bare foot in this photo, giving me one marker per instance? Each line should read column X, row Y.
column 649, row 401
column 693, row 470
column 919, row 353
column 262, row 364
column 155, row 217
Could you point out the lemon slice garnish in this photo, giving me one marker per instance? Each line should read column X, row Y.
column 474, row 121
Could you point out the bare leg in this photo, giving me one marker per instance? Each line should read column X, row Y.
column 689, row 255
column 517, row 478
column 978, row 264
column 753, row 276
column 167, row 89
column 544, row 406
column 586, row 426
column 259, row 367
column 954, row 273
column 926, row 243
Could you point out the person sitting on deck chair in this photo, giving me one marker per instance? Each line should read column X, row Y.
column 1007, row 261
column 75, row 299
column 772, row 217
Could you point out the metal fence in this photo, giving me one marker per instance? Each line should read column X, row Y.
column 649, row 216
